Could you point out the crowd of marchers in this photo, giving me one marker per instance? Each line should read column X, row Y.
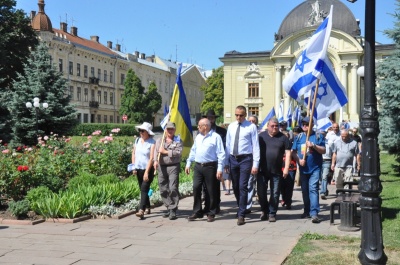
column 249, row 159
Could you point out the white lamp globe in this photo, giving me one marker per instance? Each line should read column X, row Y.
column 360, row 71
column 28, row 105
column 45, row 105
column 36, row 99
column 36, row 104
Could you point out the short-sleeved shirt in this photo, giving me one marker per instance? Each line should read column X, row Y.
column 313, row 159
column 272, row 150
column 142, row 152
column 345, row 152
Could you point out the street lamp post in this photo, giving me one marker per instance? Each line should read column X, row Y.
column 36, row 104
column 371, row 251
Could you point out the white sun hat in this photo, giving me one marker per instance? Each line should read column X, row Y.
column 146, row 126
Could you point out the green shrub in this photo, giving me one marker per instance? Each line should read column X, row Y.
column 19, row 208
column 83, row 179
column 108, row 178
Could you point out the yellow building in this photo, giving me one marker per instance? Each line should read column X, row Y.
column 96, row 72
column 254, row 79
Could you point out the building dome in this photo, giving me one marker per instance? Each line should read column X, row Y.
column 312, row 12
column 41, row 22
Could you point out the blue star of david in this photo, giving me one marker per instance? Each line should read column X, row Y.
column 325, row 87
column 304, row 60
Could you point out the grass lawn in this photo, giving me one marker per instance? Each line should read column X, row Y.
column 321, row 249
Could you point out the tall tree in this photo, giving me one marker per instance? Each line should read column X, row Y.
column 41, row 79
column 154, row 101
column 388, row 93
column 136, row 103
column 16, row 39
column 214, row 92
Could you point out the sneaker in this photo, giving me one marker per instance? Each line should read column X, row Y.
column 272, row 219
column 315, row 220
column 305, row 215
column 323, row 196
column 172, row 215
column 166, row 214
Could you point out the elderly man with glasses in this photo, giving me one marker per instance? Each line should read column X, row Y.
column 308, row 154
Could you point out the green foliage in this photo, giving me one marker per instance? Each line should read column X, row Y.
column 139, row 105
column 18, row 208
column 41, row 80
column 105, row 128
column 108, row 178
column 82, row 180
column 17, row 38
column 388, row 93
column 214, row 92
column 35, row 194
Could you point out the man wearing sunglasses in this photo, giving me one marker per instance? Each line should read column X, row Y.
column 308, row 154
column 242, row 157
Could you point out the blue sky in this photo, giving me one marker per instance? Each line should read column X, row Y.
column 191, row 31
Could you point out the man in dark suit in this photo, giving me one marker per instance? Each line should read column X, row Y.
column 210, row 115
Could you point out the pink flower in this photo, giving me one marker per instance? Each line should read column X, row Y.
column 46, row 138
column 6, row 151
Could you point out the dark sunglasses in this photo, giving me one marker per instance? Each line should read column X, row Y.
column 304, row 124
column 140, row 130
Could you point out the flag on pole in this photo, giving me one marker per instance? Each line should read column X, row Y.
column 280, row 112
column 270, row 115
column 323, row 124
column 166, row 109
column 179, row 113
column 313, row 65
column 289, row 115
column 295, row 116
column 164, row 121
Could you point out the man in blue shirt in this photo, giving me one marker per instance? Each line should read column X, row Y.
column 208, row 154
column 307, row 151
column 242, row 157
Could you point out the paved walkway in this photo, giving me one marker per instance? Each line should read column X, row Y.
column 157, row 240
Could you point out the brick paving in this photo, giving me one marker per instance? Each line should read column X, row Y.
column 157, row 240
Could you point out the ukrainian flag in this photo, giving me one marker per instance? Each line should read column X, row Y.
column 179, row 111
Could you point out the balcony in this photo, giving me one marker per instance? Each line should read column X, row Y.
column 94, row 80
column 94, row 104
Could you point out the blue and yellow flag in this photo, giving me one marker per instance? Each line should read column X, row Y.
column 179, row 111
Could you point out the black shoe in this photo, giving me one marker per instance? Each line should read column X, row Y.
column 218, row 210
column 166, row 214
column 305, row 215
column 323, row 196
column 288, row 207
column 247, row 211
column 240, row 221
column 194, row 217
column 172, row 215
column 264, row 216
column 210, row 218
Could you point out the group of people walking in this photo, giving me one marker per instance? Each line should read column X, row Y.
column 270, row 157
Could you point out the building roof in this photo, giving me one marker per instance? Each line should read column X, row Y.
column 305, row 15
column 236, row 54
column 41, row 22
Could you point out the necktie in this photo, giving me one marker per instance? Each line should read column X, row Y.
column 236, row 142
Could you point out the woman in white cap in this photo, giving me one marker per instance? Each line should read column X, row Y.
column 142, row 158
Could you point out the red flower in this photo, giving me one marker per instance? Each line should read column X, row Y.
column 19, row 168
column 19, row 148
column 25, row 168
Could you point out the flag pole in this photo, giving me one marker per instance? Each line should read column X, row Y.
column 312, row 114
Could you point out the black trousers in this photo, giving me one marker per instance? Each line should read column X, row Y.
column 144, row 188
column 205, row 175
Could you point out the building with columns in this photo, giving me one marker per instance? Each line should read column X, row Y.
column 254, row 79
column 96, row 72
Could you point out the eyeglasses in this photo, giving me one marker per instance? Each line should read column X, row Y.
column 239, row 115
column 274, row 126
column 304, row 124
column 140, row 130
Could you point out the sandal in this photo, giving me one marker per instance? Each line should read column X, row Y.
column 140, row 214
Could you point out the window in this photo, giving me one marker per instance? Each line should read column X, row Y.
column 60, row 65
column 111, row 77
column 71, row 68
column 111, row 98
column 92, row 94
column 122, row 79
column 71, row 92
column 85, row 71
column 117, row 119
column 99, row 96
column 99, row 74
column 85, row 118
column 105, row 118
column 111, row 119
column 78, row 93
column 91, row 71
column 78, row 69
column 253, row 90
column 105, row 97
column 98, row 118
column 105, row 75
column 79, row 117
column 253, row 111
column 86, row 92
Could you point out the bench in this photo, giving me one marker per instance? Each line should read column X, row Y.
column 347, row 202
